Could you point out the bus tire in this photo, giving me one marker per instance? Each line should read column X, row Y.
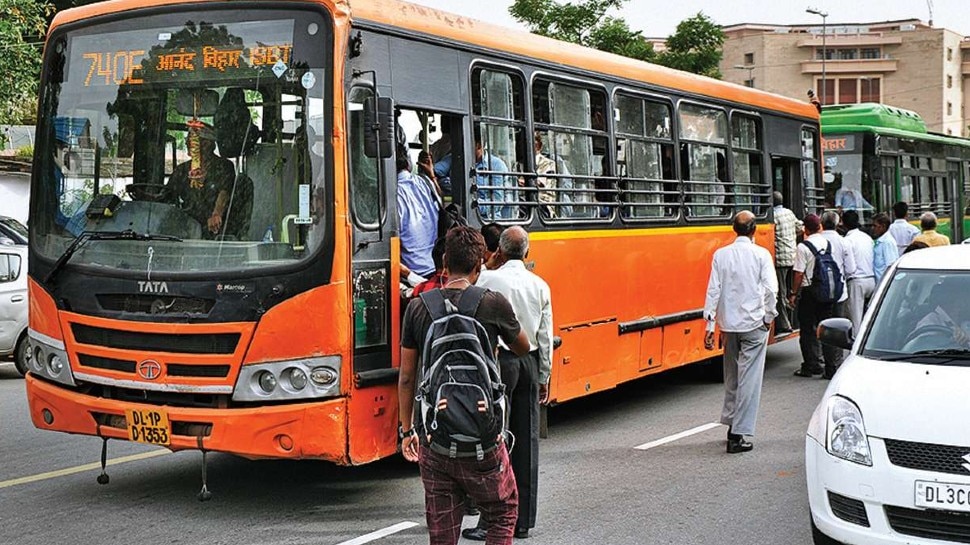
column 21, row 354
column 712, row 370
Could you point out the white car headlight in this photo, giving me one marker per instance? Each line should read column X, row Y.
column 845, row 435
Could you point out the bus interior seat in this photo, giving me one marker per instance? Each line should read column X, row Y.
column 272, row 168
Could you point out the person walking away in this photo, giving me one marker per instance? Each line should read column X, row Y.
column 450, row 473
column 927, row 221
column 884, row 251
column 902, row 231
column 816, row 297
column 740, row 299
column 861, row 283
column 845, row 260
column 786, row 229
column 417, row 208
column 526, row 378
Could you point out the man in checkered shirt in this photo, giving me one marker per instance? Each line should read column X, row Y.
column 786, row 226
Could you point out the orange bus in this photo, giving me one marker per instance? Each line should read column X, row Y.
column 244, row 296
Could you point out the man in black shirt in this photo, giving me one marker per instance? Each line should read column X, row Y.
column 447, row 481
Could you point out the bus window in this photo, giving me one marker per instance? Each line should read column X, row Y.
column 364, row 189
column 750, row 189
column 573, row 121
column 645, row 159
column 500, row 146
column 703, row 133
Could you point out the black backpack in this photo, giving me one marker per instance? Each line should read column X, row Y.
column 826, row 276
column 448, row 215
column 461, row 398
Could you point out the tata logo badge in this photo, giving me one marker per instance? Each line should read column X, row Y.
column 149, row 369
column 152, row 287
column 966, row 458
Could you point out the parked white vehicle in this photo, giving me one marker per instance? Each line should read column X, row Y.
column 13, row 305
column 887, row 453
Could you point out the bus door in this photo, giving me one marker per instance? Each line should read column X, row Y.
column 784, row 172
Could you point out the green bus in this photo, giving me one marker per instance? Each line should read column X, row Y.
column 877, row 154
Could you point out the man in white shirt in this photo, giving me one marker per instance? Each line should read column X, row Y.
column 526, row 377
column 845, row 259
column 861, row 282
column 741, row 300
column 901, row 229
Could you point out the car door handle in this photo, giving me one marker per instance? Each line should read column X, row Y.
column 16, row 298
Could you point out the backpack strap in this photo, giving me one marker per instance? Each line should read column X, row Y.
column 434, row 301
column 470, row 299
column 815, row 251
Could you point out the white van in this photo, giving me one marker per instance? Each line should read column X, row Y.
column 13, row 305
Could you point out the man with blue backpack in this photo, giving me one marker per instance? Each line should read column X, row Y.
column 818, row 286
column 449, row 367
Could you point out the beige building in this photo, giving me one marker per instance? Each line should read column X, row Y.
column 904, row 63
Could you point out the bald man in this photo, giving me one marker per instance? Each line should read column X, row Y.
column 741, row 300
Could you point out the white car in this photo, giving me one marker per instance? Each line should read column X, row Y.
column 13, row 305
column 887, row 453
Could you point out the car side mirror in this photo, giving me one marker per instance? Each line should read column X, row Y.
column 378, row 127
column 836, row 332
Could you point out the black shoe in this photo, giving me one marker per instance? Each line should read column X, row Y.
column 827, row 375
column 741, row 445
column 474, row 534
column 521, row 533
column 731, row 436
column 807, row 373
column 472, row 510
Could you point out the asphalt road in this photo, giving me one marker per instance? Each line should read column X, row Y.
column 595, row 487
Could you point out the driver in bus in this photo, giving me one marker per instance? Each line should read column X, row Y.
column 202, row 191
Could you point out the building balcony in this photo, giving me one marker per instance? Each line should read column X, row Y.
column 858, row 66
column 851, row 40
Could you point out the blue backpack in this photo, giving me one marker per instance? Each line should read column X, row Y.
column 827, row 284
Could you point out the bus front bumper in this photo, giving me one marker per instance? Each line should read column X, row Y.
column 316, row 429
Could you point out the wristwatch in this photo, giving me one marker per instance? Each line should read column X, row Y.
column 401, row 433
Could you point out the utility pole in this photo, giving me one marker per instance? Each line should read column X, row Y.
column 825, row 52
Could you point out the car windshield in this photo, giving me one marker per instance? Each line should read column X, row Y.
column 922, row 313
column 203, row 128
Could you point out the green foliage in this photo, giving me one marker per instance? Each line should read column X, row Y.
column 695, row 47
column 583, row 22
column 22, row 28
column 26, row 152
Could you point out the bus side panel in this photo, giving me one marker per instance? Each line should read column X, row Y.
column 373, row 423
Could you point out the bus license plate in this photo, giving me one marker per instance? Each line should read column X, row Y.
column 149, row 426
column 948, row 496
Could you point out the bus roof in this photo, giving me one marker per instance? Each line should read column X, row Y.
column 432, row 22
column 882, row 119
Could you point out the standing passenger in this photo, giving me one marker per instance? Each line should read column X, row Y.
column 417, row 208
column 449, row 480
column 741, row 296
column 786, row 226
column 929, row 235
column 885, row 252
column 861, row 282
column 526, row 378
column 845, row 259
column 901, row 229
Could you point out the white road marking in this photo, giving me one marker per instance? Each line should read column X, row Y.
column 678, row 436
column 374, row 536
column 82, row 468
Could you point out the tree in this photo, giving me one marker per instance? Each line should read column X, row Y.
column 583, row 22
column 695, row 47
column 22, row 28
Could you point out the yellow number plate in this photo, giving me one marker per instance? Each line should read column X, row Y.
column 149, row 426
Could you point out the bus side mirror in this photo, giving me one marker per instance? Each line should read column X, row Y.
column 379, row 127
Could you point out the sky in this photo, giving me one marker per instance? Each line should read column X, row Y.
column 659, row 18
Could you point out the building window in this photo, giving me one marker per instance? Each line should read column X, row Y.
column 949, row 132
column 828, row 54
column 749, row 83
column 749, row 58
column 848, row 91
column 869, row 89
column 949, row 82
column 826, row 93
column 949, row 53
column 847, row 54
column 870, row 53
column 949, row 108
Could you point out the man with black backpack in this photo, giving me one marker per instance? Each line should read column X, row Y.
column 448, row 365
column 818, row 286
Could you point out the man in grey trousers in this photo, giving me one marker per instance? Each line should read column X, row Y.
column 741, row 299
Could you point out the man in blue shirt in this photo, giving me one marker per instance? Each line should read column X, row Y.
column 417, row 208
column 885, row 251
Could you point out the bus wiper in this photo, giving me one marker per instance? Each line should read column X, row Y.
column 87, row 236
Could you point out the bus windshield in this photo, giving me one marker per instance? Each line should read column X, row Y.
column 203, row 130
column 849, row 188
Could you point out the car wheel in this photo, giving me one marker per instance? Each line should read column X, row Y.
column 818, row 538
column 21, row 355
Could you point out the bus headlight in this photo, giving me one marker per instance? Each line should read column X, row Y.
column 49, row 359
column 306, row 378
